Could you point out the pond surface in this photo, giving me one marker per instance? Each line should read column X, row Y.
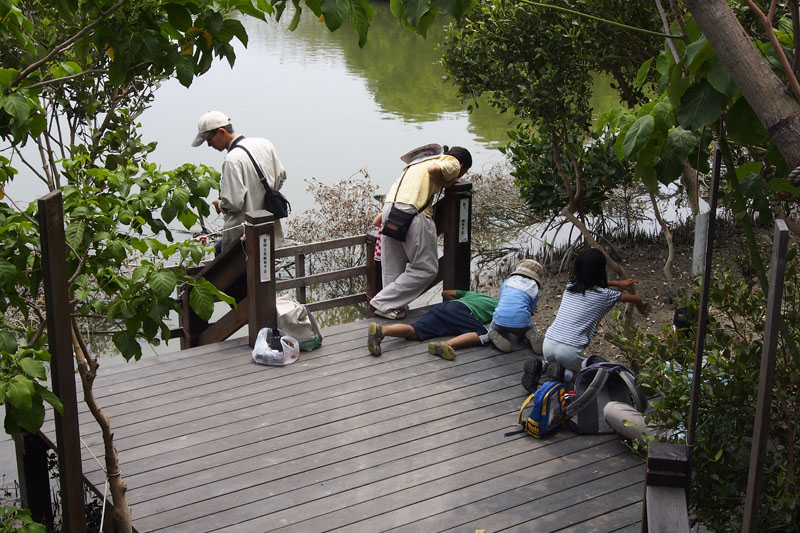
column 329, row 107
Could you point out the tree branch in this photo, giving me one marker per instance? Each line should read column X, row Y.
column 766, row 22
column 63, row 46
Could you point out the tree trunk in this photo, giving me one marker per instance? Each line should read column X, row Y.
column 87, row 369
column 778, row 111
column 667, row 236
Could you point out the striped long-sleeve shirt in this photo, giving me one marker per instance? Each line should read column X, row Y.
column 579, row 314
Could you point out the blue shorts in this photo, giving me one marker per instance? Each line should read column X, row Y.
column 448, row 318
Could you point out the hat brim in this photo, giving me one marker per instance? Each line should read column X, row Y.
column 530, row 274
column 200, row 139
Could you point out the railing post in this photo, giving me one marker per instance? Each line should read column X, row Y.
column 374, row 272
column 457, row 236
column 59, row 338
column 766, row 378
column 665, row 509
column 300, row 272
column 34, row 478
column 259, row 231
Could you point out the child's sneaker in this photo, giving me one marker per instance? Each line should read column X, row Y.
column 554, row 372
column 374, row 338
column 531, row 371
column 503, row 344
column 442, row 349
column 535, row 340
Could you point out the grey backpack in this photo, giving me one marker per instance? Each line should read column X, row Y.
column 597, row 384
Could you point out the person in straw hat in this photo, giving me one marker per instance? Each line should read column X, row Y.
column 516, row 304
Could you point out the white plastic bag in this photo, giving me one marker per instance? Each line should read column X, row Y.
column 274, row 348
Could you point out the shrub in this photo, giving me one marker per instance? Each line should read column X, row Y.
column 730, row 376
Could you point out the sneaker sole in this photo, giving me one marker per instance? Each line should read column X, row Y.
column 500, row 342
column 374, row 340
column 530, row 379
column 443, row 350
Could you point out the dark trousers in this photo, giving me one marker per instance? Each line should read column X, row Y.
column 238, row 289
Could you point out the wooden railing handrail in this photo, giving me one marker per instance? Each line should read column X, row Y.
column 258, row 308
column 321, row 246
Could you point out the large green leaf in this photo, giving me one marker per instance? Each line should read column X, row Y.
column 30, row 419
column 743, row 125
column 415, row 10
column 75, row 233
column 185, row 71
column 163, row 283
column 201, row 300
column 680, row 142
column 178, row 16
column 32, row 367
column 719, row 79
column 662, row 113
column 701, row 104
column 641, row 74
column 48, row 396
column 336, row 12
column 18, row 107
column 127, row 345
column 697, row 52
column 361, row 15
column 7, row 75
column 8, row 343
column 637, row 136
column 8, row 273
column 187, row 218
column 20, row 392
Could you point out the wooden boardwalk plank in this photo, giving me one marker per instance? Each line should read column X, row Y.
column 342, row 440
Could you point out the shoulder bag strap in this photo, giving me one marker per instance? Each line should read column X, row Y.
column 597, row 384
column 640, row 402
column 235, row 144
column 397, row 191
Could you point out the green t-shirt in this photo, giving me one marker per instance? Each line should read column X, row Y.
column 480, row 305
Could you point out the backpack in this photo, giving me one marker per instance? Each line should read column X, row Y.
column 297, row 321
column 547, row 412
column 597, row 384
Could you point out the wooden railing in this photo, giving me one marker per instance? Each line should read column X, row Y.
column 257, row 257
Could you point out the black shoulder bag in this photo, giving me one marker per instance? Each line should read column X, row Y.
column 397, row 223
column 274, row 202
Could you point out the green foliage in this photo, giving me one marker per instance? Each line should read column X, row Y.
column 730, row 374
column 19, row 520
column 540, row 185
column 538, row 63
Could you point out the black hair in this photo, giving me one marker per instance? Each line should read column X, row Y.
column 228, row 127
column 588, row 271
column 462, row 154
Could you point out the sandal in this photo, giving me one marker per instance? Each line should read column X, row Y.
column 392, row 314
column 442, row 349
column 374, row 338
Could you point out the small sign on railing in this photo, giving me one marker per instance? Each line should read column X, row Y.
column 463, row 220
column 264, row 257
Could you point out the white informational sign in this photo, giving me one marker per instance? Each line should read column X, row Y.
column 463, row 220
column 264, row 258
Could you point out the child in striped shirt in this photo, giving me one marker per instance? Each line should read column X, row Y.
column 584, row 303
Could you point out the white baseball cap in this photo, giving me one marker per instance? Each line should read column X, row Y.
column 209, row 122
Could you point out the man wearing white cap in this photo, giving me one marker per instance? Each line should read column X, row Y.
column 241, row 190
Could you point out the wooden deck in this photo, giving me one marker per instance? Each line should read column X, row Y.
column 342, row 440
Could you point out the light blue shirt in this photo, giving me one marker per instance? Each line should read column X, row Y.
column 516, row 303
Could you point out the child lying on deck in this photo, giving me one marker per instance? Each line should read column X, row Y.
column 462, row 313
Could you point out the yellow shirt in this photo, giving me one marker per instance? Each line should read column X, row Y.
column 417, row 187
